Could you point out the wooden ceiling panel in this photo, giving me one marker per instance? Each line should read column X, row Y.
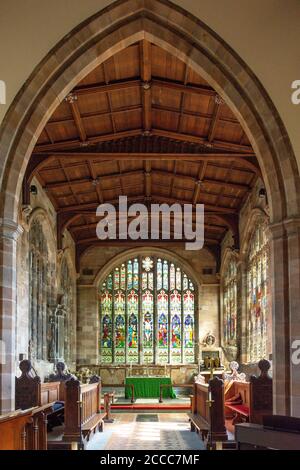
column 165, row 120
column 121, row 100
column 68, row 200
column 88, row 197
column 187, row 168
column 195, row 125
column 228, row 131
column 165, row 65
column 106, row 168
column 50, row 175
column 62, row 112
column 63, row 131
column 76, row 172
column 92, row 103
column 128, row 120
column 196, row 103
column 96, row 76
column 98, row 126
column 167, row 165
column 195, row 79
column 44, row 137
column 172, row 99
column 123, row 65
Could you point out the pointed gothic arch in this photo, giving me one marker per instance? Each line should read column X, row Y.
column 166, row 25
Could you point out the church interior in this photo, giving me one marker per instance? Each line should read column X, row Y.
column 107, row 344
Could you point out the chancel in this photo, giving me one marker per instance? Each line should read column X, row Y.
column 112, row 338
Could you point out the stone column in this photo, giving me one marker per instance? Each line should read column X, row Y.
column 9, row 233
column 293, row 239
column 88, row 328
column 280, row 319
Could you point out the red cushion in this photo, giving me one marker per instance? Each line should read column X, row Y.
column 242, row 409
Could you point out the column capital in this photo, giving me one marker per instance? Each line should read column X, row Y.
column 9, row 229
column 292, row 226
column 277, row 230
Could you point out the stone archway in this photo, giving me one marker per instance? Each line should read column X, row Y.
column 159, row 21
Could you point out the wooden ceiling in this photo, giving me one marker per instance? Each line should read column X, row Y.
column 144, row 125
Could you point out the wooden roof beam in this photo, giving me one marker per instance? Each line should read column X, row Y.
column 172, row 242
column 145, row 67
column 215, row 118
column 203, row 140
column 72, row 100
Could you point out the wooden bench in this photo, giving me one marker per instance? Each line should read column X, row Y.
column 207, row 416
column 83, row 415
column 30, row 392
column 255, row 396
column 36, row 429
column 240, row 391
column 13, row 430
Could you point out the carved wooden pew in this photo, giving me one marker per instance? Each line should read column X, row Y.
column 30, row 392
column 237, row 402
column 250, row 401
column 13, row 430
column 207, row 416
column 36, row 429
column 83, row 414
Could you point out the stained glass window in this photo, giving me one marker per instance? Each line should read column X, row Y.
column 147, row 313
column 258, row 294
column 230, row 304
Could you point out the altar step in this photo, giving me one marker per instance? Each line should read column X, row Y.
column 150, row 406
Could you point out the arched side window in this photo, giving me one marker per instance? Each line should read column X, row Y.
column 230, row 304
column 147, row 313
column 40, row 292
column 258, row 294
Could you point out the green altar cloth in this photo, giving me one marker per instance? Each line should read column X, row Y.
column 149, row 387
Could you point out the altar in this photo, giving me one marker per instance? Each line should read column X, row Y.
column 149, row 387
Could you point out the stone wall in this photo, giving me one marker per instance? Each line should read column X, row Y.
column 41, row 208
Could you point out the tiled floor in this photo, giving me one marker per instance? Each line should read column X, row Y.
column 170, row 432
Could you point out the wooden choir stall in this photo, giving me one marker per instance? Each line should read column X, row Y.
column 83, row 414
column 63, row 402
column 207, row 415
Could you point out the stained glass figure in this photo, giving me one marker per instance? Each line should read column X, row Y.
column 188, row 328
column 258, row 298
column 147, row 308
column 129, row 275
column 117, row 279
column 167, row 324
column 123, row 277
column 120, row 335
column 159, row 274
column 166, row 275
column 172, row 277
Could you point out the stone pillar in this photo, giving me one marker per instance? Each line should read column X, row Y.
column 88, row 327
column 280, row 319
column 9, row 233
column 293, row 240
